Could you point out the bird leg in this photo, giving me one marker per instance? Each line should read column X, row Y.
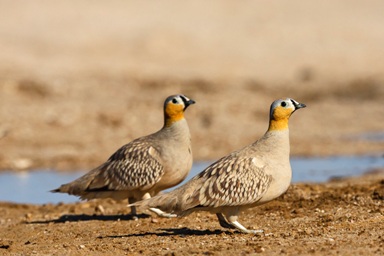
column 133, row 210
column 223, row 222
column 231, row 217
column 131, row 200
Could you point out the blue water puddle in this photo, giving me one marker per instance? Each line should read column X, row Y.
column 377, row 137
column 33, row 187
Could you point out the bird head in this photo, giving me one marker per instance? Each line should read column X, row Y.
column 280, row 112
column 174, row 107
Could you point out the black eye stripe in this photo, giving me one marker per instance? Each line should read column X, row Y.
column 184, row 99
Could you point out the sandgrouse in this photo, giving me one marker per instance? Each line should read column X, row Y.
column 145, row 166
column 251, row 176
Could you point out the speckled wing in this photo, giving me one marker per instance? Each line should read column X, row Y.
column 136, row 165
column 233, row 181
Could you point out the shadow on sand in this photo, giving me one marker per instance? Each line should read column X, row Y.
column 175, row 232
column 85, row 217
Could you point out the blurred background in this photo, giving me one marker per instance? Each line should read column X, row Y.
column 78, row 79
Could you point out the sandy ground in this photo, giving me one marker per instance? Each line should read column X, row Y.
column 343, row 217
column 79, row 79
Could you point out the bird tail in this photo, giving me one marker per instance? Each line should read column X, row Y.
column 81, row 185
column 167, row 202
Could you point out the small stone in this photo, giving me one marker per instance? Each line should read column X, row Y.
column 259, row 249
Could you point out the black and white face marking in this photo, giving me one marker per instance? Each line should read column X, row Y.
column 179, row 100
column 186, row 101
column 286, row 103
column 297, row 105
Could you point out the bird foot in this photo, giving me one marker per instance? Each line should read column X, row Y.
column 163, row 214
column 250, row 231
column 242, row 229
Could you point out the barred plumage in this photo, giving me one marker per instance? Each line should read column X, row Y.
column 233, row 182
column 134, row 166
column 145, row 166
column 251, row 176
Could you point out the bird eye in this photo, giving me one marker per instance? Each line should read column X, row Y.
column 283, row 104
column 174, row 101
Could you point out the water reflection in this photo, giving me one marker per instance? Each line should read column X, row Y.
column 33, row 187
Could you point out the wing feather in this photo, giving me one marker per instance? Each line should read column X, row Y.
column 136, row 165
column 233, row 181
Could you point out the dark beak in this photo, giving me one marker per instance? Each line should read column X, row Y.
column 298, row 104
column 188, row 103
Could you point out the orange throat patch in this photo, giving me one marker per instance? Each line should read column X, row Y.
column 279, row 119
column 278, row 125
column 173, row 113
